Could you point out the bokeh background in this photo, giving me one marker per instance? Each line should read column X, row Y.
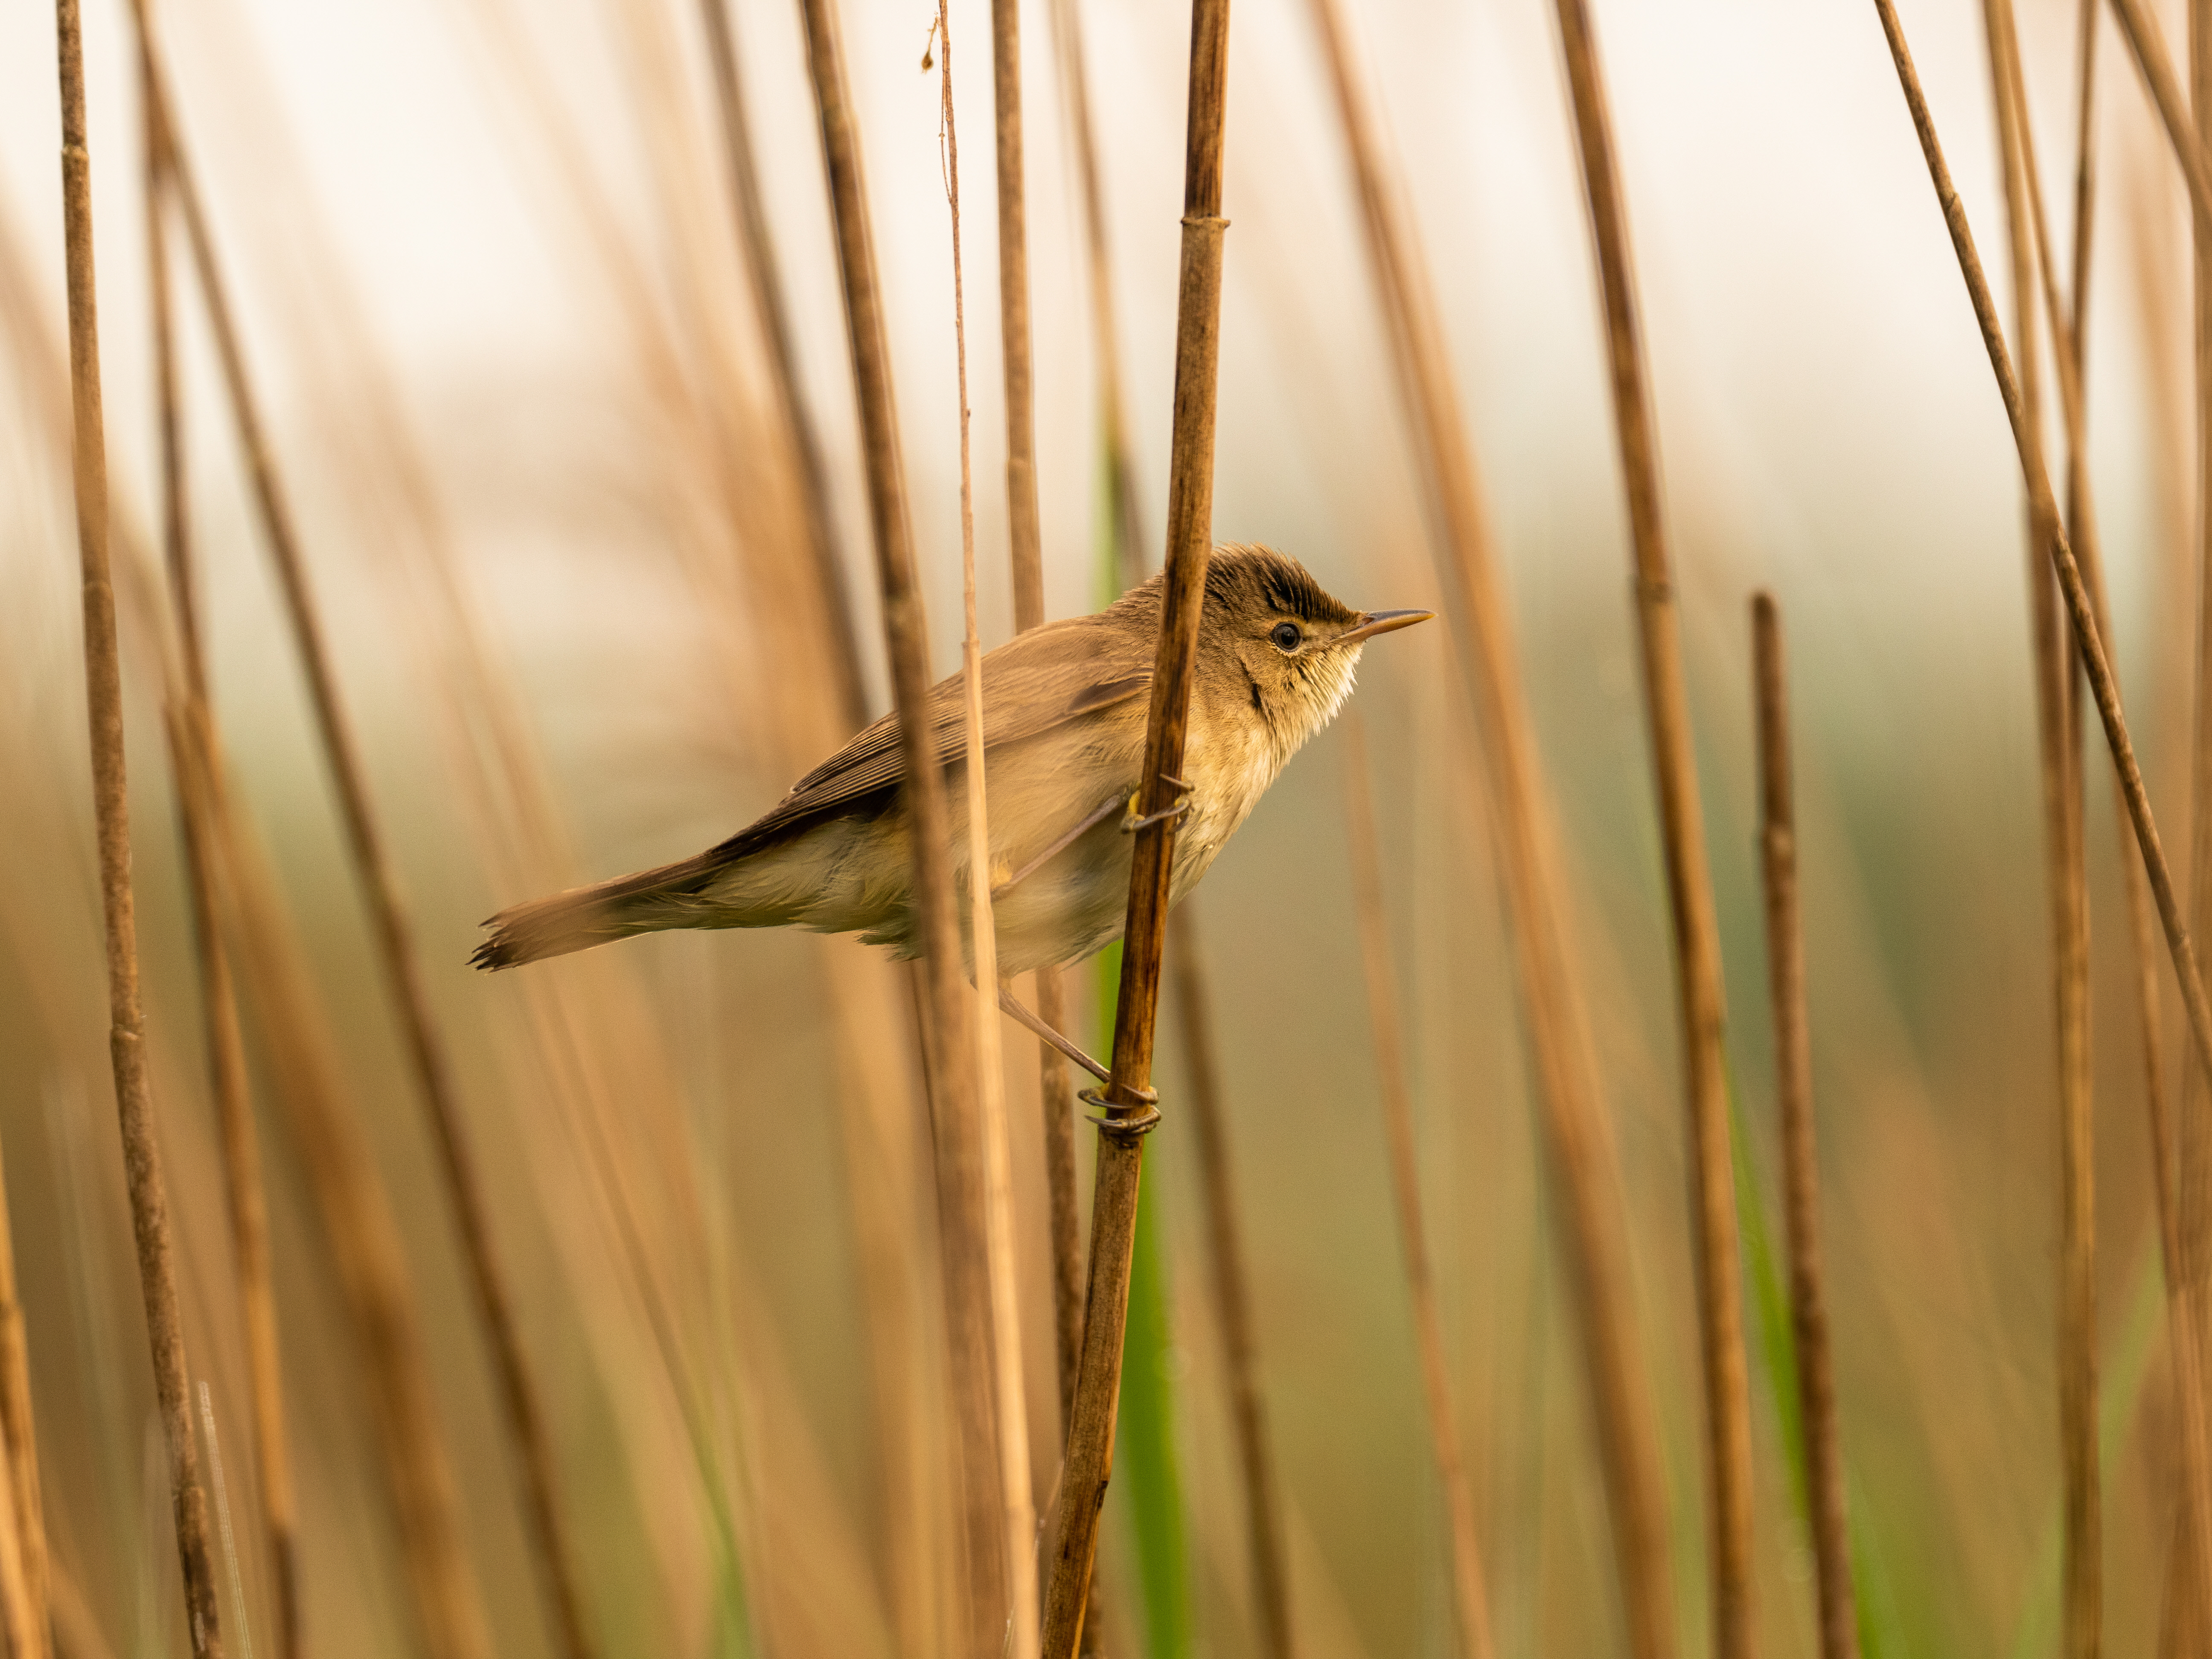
column 492, row 298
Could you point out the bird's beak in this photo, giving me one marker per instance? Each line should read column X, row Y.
column 1381, row 622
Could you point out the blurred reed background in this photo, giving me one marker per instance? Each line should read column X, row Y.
column 493, row 301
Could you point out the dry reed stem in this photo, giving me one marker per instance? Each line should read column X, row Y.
column 1263, row 1515
column 2148, row 42
column 522, row 1415
column 943, row 997
column 1130, row 1111
column 2088, row 638
column 1696, row 934
column 1585, row 1167
column 1793, row 1072
column 142, row 1155
column 1470, row 1599
column 2066, row 872
column 756, row 247
column 24, row 1592
column 191, row 724
column 1012, row 1397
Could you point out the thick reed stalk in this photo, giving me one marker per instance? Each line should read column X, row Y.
column 960, row 1177
column 1263, row 1518
column 25, row 1587
column 1697, row 937
column 1793, row 1072
column 1470, row 1599
column 1585, row 1167
column 522, row 1415
column 763, row 276
column 191, row 726
column 2185, row 1337
column 1129, row 1100
column 142, row 1153
column 2066, row 872
column 1013, row 1444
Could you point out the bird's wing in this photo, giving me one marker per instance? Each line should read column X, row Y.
column 1033, row 683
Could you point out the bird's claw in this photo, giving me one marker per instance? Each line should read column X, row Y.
column 1131, row 822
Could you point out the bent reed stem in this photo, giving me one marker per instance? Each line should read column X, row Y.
column 2186, row 1339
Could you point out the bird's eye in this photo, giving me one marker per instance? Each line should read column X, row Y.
column 1286, row 635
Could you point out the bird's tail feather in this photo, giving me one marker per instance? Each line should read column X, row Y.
column 673, row 896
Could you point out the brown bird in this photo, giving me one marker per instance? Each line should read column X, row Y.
column 1064, row 714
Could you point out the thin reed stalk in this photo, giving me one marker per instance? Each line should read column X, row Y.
column 190, row 725
column 24, row 1589
column 2187, row 1235
column 1130, row 1112
column 961, row 1176
column 2146, row 41
column 2065, row 862
column 2185, row 1339
column 1697, row 937
column 522, row 1414
column 1470, row 1598
column 1263, row 1515
column 1585, row 1166
column 1013, row 1398
column 142, row 1153
column 1793, row 1076
column 764, row 278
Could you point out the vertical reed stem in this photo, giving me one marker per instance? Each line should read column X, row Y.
column 1470, row 1599
column 142, row 1153
column 192, row 750
column 1793, row 1070
column 1585, row 1167
column 522, row 1412
column 1013, row 1442
column 1270, row 1588
column 29, row 1594
column 1129, row 1100
column 2066, row 874
column 960, row 1176
column 1697, row 939
column 2185, row 1337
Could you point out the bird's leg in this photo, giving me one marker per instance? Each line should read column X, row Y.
column 1060, row 846
column 1046, row 1034
column 1131, row 823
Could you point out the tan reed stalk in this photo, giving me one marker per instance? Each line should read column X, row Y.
column 2066, row 873
column 20, row 1629
column 1129, row 1100
column 142, row 1153
column 1263, row 1514
column 1470, row 1598
column 2190, row 1247
column 960, row 1177
column 1793, row 1073
column 1013, row 1398
column 521, row 1413
column 191, row 723
column 1697, row 939
column 2148, row 42
column 2185, row 1336
column 763, row 277
column 1585, row 1167
column 19, row 1443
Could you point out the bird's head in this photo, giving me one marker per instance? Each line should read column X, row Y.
column 1273, row 634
